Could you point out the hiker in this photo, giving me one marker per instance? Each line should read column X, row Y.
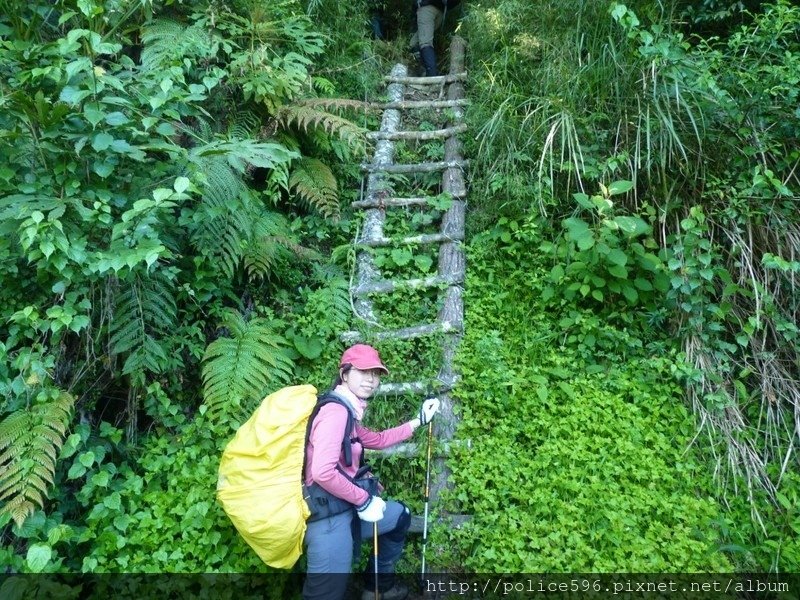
column 428, row 17
column 330, row 542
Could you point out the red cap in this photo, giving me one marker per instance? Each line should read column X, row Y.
column 363, row 358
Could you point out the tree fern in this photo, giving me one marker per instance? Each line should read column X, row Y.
column 243, row 367
column 30, row 440
column 314, row 182
column 145, row 313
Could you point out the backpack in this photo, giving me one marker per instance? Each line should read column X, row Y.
column 260, row 484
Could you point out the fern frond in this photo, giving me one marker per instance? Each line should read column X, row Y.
column 272, row 242
column 28, row 463
column 145, row 313
column 238, row 370
column 306, row 115
column 167, row 43
column 240, row 153
column 329, row 306
column 244, row 125
column 314, row 182
column 324, row 85
column 19, row 508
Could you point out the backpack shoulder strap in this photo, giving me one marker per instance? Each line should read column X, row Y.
column 328, row 398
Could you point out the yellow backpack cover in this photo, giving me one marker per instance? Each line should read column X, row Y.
column 259, row 484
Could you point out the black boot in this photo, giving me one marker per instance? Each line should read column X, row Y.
column 428, row 55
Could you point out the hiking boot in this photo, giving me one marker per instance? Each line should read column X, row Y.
column 428, row 58
column 399, row 591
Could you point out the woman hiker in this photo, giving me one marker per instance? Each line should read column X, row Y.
column 329, row 541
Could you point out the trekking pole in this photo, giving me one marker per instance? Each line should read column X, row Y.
column 427, row 500
column 375, row 555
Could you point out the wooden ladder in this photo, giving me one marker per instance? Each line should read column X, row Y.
column 445, row 94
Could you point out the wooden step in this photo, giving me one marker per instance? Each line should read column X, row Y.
column 413, row 240
column 399, row 202
column 437, row 80
column 434, row 134
column 428, row 167
column 390, row 202
column 418, row 388
column 408, row 104
column 387, row 286
column 407, row 333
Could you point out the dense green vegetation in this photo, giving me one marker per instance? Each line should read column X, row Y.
column 176, row 241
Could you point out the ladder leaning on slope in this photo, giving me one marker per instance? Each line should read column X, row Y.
column 444, row 95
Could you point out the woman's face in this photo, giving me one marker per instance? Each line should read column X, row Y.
column 362, row 383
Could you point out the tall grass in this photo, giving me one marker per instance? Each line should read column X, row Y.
column 568, row 94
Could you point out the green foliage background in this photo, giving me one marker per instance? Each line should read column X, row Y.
column 176, row 242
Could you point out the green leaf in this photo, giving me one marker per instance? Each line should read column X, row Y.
column 557, row 273
column 401, row 256
column 630, row 293
column 618, row 271
column 102, row 141
column 116, row 119
column 72, row 95
column 619, row 187
column 423, row 262
column 617, row 257
column 93, row 114
column 114, row 501
column 86, row 459
column 38, row 556
column 311, row 347
column 79, row 322
column 583, row 200
column 181, row 184
column 103, row 169
column 633, row 226
column 585, row 241
column 101, row 479
column 165, row 129
column 76, row 470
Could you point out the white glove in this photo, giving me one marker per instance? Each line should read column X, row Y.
column 429, row 408
column 372, row 510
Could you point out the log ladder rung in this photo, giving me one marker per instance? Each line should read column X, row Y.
column 433, row 134
column 430, row 167
column 429, row 238
column 408, row 104
column 443, row 383
column 387, row 286
column 437, row 80
column 408, row 333
column 399, row 202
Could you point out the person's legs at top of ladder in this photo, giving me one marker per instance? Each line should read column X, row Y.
column 429, row 19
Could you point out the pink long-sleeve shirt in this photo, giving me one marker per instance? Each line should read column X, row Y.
column 324, row 451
